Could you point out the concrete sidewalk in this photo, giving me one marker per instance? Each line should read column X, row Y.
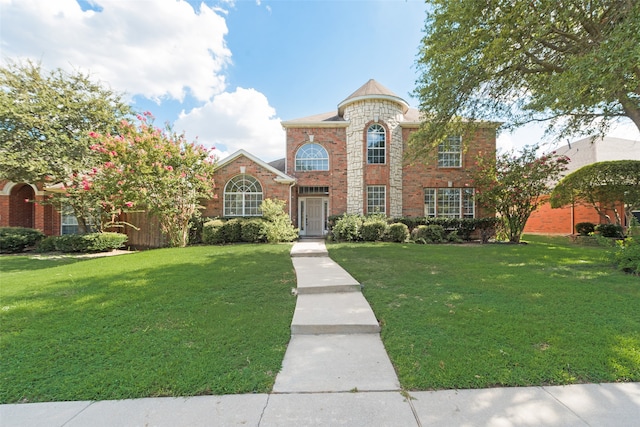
column 337, row 372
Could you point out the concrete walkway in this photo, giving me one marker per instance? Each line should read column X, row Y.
column 336, row 372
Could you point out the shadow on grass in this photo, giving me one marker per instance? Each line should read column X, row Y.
column 174, row 323
column 13, row 263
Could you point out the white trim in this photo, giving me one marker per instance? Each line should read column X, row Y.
column 6, row 190
column 280, row 176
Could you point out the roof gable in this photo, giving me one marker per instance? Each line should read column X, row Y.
column 280, row 176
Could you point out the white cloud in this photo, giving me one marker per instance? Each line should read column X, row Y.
column 236, row 120
column 155, row 48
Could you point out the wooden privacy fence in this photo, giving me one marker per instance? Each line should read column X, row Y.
column 148, row 234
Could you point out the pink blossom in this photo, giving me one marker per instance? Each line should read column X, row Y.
column 169, row 168
column 93, row 135
column 26, row 200
column 128, row 204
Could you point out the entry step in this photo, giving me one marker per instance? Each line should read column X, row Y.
column 321, row 275
column 333, row 313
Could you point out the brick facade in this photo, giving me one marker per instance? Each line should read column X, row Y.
column 273, row 186
column 343, row 187
column 22, row 205
column 344, row 136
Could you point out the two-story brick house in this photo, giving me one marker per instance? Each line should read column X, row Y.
column 348, row 160
column 352, row 160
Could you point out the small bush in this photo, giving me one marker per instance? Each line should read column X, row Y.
column 278, row 227
column 48, row 244
column 105, row 242
column 374, row 229
column 253, row 230
column 212, row 232
column 348, row 228
column 609, row 230
column 453, row 237
column 397, row 232
column 17, row 239
column 429, row 233
column 231, row 231
column 585, row 228
column 627, row 256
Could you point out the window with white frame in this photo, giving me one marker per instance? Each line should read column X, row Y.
column 376, row 199
column 450, row 152
column 312, row 157
column 242, row 196
column 69, row 222
column 376, row 144
column 449, row 202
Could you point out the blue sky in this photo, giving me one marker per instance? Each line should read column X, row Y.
column 228, row 72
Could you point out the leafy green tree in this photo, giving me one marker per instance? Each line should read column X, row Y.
column 45, row 120
column 572, row 63
column 145, row 168
column 512, row 185
column 604, row 185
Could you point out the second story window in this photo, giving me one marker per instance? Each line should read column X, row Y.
column 376, row 144
column 450, row 152
column 312, row 157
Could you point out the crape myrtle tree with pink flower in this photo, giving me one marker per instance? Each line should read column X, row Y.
column 145, row 168
column 513, row 184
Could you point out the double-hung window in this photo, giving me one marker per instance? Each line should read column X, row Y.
column 376, row 199
column 449, row 202
column 450, row 152
column 376, row 144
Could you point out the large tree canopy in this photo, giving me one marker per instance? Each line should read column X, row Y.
column 45, row 120
column 573, row 63
column 603, row 185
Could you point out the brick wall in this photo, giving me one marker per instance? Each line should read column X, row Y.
column 270, row 188
column 333, row 140
column 546, row 220
column 418, row 176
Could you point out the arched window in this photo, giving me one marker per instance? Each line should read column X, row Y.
column 242, row 196
column 376, row 144
column 312, row 157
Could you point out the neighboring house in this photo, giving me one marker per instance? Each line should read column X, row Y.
column 546, row 220
column 350, row 160
column 21, row 206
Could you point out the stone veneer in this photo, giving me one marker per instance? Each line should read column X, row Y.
column 360, row 114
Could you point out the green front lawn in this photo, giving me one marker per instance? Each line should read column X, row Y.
column 472, row 316
column 169, row 322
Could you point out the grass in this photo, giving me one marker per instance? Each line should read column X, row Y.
column 169, row 322
column 475, row 316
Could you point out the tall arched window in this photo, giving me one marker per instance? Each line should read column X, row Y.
column 312, row 157
column 242, row 196
column 376, row 144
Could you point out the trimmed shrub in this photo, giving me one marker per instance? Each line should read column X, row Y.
column 212, row 232
column 17, row 239
column 348, row 228
column 253, row 230
column 83, row 243
column 374, row 229
column 609, row 230
column 48, row 244
column 397, row 232
column 231, row 231
column 105, row 242
column 585, row 228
